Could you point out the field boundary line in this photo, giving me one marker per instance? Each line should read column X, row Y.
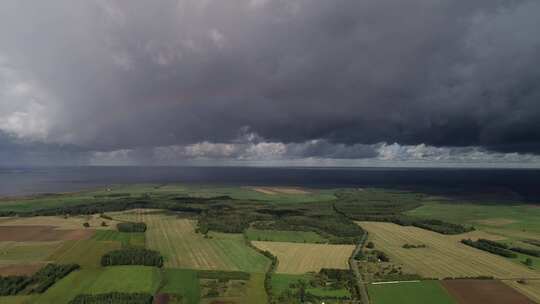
column 353, row 264
column 395, row 282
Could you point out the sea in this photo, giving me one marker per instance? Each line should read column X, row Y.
column 491, row 184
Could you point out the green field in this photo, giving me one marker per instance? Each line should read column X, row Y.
column 506, row 219
column 124, row 238
column 284, row 236
column 86, row 253
column 281, row 281
column 102, row 280
column 177, row 241
column 425, row 292
column 183, row 282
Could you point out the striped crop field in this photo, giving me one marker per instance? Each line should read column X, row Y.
column 444, row 256
column 298, row 258
column 176, row 239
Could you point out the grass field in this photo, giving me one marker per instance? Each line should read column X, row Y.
column 509, row 220
column 101, row 280
column 443, row 257
column 184, row 282
column 284, row 236
column 183, row 248
column 296, row 258
column 26, row 252
column 16, row 299
column 282, row 281
column 255, row 292
column 424, row 292
column 86, row 253
column 124, row 238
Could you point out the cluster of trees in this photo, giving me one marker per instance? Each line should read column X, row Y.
column 381, row 256
column 114, row 297
column 490, row 246
column 132, row 256
column 131, row 227
column 38, row 282
column 533, row 242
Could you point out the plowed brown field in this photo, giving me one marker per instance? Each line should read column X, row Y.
column 42, row 234
column 483, row 291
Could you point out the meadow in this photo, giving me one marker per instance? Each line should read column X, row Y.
column 423, row 292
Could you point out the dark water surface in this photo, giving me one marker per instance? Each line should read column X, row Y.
column 518, row 184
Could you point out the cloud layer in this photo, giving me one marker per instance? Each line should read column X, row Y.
column 311, row 79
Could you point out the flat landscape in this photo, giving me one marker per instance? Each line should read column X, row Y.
column 243, row 245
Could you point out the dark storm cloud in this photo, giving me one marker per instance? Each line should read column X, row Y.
column 112, row 75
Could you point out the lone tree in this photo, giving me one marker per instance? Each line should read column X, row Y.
column 529, row 262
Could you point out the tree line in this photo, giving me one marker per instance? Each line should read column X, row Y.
column 114, row 297
column 489, row 246
column 39, row 282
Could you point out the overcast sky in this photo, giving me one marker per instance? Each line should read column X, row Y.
column 269, row 81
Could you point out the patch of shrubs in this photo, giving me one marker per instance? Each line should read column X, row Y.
column 132, row 256
column 441, row 227
column 410, row 246
column 131, row 227
column 38, row 282
column 114, row 297
column 487, row 246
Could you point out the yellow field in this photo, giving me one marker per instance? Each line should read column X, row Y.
column 297, row 258
column 280, row 190
column 177, row 241
column 444, row 256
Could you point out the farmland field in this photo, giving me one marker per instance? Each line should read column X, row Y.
column 183, row 248
column 296, row 258
column 102, row 280
column 444, row 256
column 86, row 253
column 424, row 292
column 483, row 291
column 204, row 233
column 124, row 238
column 184, row 282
